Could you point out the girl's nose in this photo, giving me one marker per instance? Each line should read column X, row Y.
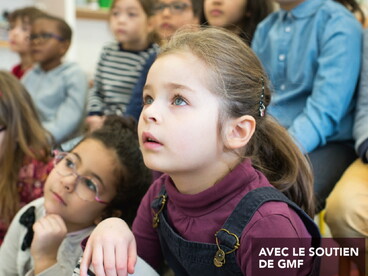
column 150, row 114
column 69, row 182
column 166, row 11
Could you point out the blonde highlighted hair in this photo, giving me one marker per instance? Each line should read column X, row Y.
column 238, row 78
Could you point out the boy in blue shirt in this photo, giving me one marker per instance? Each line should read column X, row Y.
column 57, row 88
column 311, row 50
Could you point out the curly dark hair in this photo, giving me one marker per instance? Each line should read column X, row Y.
column 132, row 176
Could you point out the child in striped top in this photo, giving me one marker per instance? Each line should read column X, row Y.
column 121, row 61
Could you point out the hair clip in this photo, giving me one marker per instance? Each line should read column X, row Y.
column 262, row 107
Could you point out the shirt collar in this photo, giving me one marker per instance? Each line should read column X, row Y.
column 37, row 68
column 305, row 9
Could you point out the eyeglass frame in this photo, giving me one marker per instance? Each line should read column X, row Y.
column 57, row 160
column 160, row 7
column 43, row 37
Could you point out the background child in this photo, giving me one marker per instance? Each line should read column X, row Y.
column 346, row 206
column 20, row 22
column 314, row 80
column 24, row 150
column 122, row 61
column 58, row 88
column 169, row 16
column 238, row 16
column 204, row 123
column 103, row 176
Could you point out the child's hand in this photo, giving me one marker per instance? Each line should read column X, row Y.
column 94, row 122
column 111, row 249
column 49, row 232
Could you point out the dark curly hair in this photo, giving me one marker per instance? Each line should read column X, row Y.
column 132, row 176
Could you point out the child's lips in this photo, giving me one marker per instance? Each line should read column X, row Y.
column 166, row 26
column 59, row 198
column 149, row 141
column 216, row 12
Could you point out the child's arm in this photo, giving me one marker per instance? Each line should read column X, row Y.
column 333, row 86
column 111, row 249
column 49, row 232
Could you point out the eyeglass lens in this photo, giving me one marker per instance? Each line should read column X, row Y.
column 175, row 7
column 85, row 187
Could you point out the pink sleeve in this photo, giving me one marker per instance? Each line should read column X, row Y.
column 148, row 243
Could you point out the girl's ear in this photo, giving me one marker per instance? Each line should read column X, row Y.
column 107, row 214
column 239, row 131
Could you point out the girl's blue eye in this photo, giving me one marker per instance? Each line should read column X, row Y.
column 178, row 100
column 147, row 100
column 132, row 14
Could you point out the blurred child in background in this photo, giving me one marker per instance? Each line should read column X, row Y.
column 24, row 150
column 169, row 16
column 238, row 16
column 58, row 88
column 314, row 79
column 102, row 176
column 121, row 62
column 20, row 22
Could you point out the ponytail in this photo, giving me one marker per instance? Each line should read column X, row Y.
column 275, row 154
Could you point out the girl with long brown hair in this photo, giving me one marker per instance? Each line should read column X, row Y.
column 24, row 150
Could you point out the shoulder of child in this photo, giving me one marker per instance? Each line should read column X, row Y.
column 275, row 219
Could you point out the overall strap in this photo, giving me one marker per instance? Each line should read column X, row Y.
column 249, row 204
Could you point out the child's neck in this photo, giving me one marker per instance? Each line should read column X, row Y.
column 48, row 66
column 194, row 182
column 138, row 45
column 291, row 5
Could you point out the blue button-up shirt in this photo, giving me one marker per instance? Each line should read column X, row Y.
column 312, row 56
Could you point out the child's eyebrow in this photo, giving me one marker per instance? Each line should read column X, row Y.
column 93, row 174
column 177, row 86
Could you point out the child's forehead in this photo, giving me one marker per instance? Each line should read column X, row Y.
column 45, row 24
column 175, row 1
column 20, row 20
column 127, row 3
